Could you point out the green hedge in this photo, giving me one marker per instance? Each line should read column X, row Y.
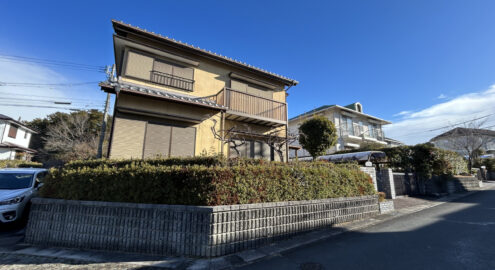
column 203, row 185
column 121, row 163
column 19, row 164
column 424, row 159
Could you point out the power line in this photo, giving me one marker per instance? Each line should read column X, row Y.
column 436, row 129
column 48, row 100
column 57, row 97
column 28, row 84
column 43, row 106
column 15, row 58
column 463, row 122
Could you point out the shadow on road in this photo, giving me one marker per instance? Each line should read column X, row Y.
column 455, row 235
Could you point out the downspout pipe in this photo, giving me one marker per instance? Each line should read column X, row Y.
column 287, row 124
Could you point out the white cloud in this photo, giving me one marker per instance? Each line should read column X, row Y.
column 442, row 96
column 403, row 113
column 12, row 72
column 416, row 126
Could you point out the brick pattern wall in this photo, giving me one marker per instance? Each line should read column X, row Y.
column 372, row 172
column 184, row 230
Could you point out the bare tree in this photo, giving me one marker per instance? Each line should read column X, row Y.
column 468, row 141
column 237, row 136
column 70, row 138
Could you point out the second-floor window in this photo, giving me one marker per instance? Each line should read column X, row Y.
column 172, row 75
column 13, row 131
column 348, row 125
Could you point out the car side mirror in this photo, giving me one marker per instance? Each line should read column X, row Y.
column 37, row 185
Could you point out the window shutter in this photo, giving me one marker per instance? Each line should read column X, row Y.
column 183, row 72
column 157, row 141
column 183, row 142
column 162, row 67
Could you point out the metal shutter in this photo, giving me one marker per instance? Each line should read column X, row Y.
column 183, row 141
column 128, row 137
column 162, row 67
column 183, row 72
column 157, row 141
column 138, row 66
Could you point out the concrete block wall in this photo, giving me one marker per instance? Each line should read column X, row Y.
column 201, row 231
column 371, row 172
column 386, row 183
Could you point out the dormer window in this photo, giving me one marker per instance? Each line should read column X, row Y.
column 359, row 107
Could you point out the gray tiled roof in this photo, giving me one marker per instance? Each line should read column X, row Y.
column 204, row 51
column 163, row 93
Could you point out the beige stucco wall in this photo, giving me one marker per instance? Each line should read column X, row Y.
column 209, row 76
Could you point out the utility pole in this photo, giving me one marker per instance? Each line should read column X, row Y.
column 110, row 76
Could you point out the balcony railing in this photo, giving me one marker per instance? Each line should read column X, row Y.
column 249, row 104
column 171, row 80
column 361, row 131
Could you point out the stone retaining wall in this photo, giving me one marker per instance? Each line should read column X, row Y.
column 456, row 184
column 202, row 231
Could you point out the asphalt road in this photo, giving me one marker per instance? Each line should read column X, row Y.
column 454, row 235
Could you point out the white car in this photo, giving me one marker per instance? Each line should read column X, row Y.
column 17, row 187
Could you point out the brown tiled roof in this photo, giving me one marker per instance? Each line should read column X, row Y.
column 158, row 93
column 117, row 24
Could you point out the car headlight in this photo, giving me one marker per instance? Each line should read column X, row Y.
column 15, row 200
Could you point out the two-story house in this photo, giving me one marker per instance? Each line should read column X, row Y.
column 14, row 139
column 458, row 139
column 353, row 127
column 175, row 99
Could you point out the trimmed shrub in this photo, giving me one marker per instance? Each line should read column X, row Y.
column 121, row 163
column 203, row 185
column 381, row 196
column 423, row 159
column 19, row 164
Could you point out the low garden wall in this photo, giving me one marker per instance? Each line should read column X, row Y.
column 203, row 231
column 451, row 185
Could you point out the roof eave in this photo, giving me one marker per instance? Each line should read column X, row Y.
column 121, row 26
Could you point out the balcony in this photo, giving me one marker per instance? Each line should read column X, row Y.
column 171, row 80
column 250, row 108
column 361, row 132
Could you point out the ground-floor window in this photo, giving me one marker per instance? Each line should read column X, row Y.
column 251, row 149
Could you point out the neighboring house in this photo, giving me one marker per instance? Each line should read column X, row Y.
column 353, row 127
column 175, row 99
column 14, row 139
column 458, row 139
column 393, row 143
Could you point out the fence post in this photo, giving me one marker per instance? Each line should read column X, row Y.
column 371, row 172
column 387, row 182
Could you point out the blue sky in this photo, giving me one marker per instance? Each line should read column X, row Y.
column 421, row 64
